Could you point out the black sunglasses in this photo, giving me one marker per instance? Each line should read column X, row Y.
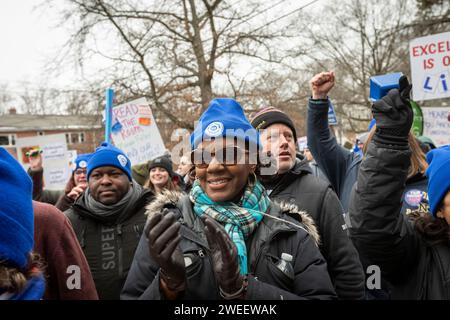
column 228, row 156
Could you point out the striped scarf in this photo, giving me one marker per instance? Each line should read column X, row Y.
column 239, row 221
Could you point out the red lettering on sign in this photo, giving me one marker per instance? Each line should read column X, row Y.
column 431, row 48
column 446, row 61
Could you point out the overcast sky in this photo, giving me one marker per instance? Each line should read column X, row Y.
column 27, row 41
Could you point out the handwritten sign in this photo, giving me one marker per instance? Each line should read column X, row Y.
column 436, row 124
column 138, row 136
column 54, row 158
column 430, row 66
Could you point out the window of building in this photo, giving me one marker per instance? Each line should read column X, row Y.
column 75, row 137
column 8, row 140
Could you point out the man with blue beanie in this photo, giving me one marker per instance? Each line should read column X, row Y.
column 108, row 218
column 16, row 234
column 438, row 174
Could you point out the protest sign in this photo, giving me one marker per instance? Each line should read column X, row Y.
column 302, row 143
column 71, row 157
column 137, row 135
column 54, row 158
column 430, row 66
column 437, row 124
column 332, row 119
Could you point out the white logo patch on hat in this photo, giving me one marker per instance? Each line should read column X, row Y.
column 122, row 160
column 214, row 129
column 82, row 164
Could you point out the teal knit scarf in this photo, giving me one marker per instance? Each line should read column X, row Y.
column 239, row 221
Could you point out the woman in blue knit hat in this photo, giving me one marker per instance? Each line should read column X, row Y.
column 20, row 269
column 226, row 239
column 411, row 252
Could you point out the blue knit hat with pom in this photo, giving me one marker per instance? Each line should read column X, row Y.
column 16, row 212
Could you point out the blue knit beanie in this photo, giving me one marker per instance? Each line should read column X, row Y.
column 16, row 212
column 438, row 174
column 224, row 118
column 81, row 161
column 107, row 155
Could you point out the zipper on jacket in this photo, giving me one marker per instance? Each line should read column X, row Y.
column 136, row 229
column 119, row 244
column 201, row 254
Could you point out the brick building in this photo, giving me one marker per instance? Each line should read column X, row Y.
column 83, row 132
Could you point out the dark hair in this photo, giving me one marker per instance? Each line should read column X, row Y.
column 14, row 280
column 434, row 230
column 170, row 185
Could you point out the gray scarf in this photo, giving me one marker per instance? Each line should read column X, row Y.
column 113, row 211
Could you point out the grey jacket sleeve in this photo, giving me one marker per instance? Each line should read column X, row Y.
column 332, row 159
column 342, row 258
column 382, row 235
column 39, row 194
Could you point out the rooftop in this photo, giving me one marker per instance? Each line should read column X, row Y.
column 28, row 122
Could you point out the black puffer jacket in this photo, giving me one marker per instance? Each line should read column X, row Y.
column 415, row 268
column 314, row 196
column 109, row 245
column 266, row 281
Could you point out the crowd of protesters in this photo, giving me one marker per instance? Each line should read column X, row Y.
column 246, row 215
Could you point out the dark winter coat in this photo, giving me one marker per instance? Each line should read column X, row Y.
column 109, row 246
column 269, row 241
column 314, row 196
column 341, row 166
column 415, row 268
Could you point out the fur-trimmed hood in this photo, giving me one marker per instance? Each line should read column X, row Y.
column 172, row 198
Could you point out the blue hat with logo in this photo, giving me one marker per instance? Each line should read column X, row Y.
column 81, row 161
column 16, row 212
column 438, row 174
column 224, row 117
column 107, row 155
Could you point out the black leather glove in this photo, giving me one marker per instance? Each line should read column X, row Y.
column 394, row 115
column 225, row 260
column 163, row 239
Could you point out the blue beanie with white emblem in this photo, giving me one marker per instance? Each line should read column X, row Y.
column 438, row 174
column 81, row 161
column 106, row 155
column 224, row 117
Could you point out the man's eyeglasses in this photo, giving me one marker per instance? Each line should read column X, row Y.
column 228, row 156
